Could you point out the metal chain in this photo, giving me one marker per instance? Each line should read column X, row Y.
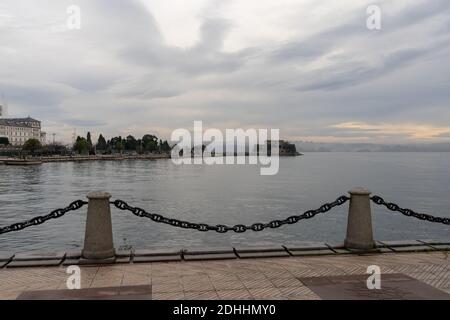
column 41, row 219
column 239, row 228
column 408, row 212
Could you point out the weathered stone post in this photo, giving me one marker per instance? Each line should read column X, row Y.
column 98, row 240
column 359, row 224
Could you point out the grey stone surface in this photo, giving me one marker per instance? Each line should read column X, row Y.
column 84, row 261
column 263, row 254
column 435, row 241
column 73, row 254
column 322, row 252
column 123, row 253
column 302, row 246
column 249, row 249
column 123, row 259
column 401, row 243
column 412, row 248
column 443, row 247
column 385, row 250
column 208, row 250
column 341, row 251
column 359, row 222
column 3, row 263
column 368, row 251
column 211, row 256
column 98, row 239
column 71, row 262
column 5, row 256
column 37, row 255
column 156, row 252
column 335, row 245
column 34, row 263
column 164, row 258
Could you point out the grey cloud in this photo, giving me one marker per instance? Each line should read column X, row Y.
column 33, row 94
column 84, row 123
column 119, row 69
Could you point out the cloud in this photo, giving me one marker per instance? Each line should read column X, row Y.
column 299, row 65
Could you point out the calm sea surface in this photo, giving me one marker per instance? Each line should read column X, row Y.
column 225, row 195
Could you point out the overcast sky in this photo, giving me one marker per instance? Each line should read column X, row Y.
column 308, row 67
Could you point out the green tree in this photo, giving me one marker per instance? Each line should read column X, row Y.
column 4, row 141
column 131, row 143
column 32, row 145
column 101, row 143
column 165, row 146
column 150, row 142
column 88, row 138
column 139, row 146
column 81, row 146
column 119, row 145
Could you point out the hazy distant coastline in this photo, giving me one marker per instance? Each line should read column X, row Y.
column 306, row 146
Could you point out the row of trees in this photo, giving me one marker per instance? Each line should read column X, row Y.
column 148, row 143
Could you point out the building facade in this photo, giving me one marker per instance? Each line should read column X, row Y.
column 19, row 130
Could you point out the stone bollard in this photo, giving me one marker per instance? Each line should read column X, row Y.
column 98, row 240
column 359, row 224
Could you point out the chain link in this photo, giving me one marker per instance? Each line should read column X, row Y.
column 239, row 228
column 41, row 219
column 408, row 212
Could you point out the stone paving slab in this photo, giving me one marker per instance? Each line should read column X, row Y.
column 163, row 258
column 311, row 252
column 250, row 249
column 435, row 241
column 71, row 262
column 337, row 247
column 210, row 256
column 400, row 243
column 442, row 247
column 29, row 256
column 215, row 250
column 267, row 254
column 123, row 253
column 84, row 261
column 73, row 254
column 303, row 246
column 34, row 263
column 198, row 254
column 123, row 259
column 412, row 248
column 156, row 252
column 6, row 256
column 261, row 252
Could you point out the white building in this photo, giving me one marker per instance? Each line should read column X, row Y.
column 19, row 130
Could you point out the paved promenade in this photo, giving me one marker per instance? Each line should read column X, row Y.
column 293, row 278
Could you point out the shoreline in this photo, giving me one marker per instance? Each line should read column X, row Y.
column 91, row 158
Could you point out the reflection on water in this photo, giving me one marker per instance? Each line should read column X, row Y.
column 225, row 195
